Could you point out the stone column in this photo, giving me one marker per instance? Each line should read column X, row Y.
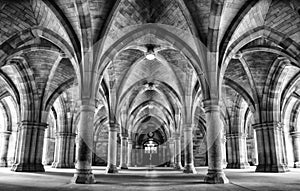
column 71, row 148
column 129, row 153
column 123, row 164
column 238, row 153
column 64, row 150
column 224, row 152
column 172, row 152
column 270, row 147
column 83, row 174
column 48, row 153
column 4, row 148
column 178, row 165
column 189, row 152
column 164, row 154
column 29, row 150
column 255, row 153
column 112, row 149
column 296, row 148
column 215, row 173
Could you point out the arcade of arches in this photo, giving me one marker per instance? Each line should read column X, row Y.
column 147, row 83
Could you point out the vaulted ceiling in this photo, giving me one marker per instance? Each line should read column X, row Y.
column 41, row 43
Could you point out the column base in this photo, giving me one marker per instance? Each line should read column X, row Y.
column 178, row 167
column 129, row 165
column 83, row 176
column 172, row 165
column 62, row 165
column 47, row 163
column 123, row 166
column 271, row 168
column 3, row 163
column 224, row 164
column 216, row 177
column 244, row 165
column 189, row 169
column 296, row 164
column 24, row 167
column 111, row 169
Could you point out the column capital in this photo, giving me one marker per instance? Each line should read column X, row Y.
column 295, row 134
column 236, row 135
column 171, row 140
column 87, row 102
column 123, row 135
column 31, row 125
column 211, row 105
column 5, row 133
column 87, row 108
column 188, row 126
column 129, row 140
column 177, row 136
column 268, row 125
column 113, row 126
column 64, row 134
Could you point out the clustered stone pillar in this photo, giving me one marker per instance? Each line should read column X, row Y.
column 129, row 153
column 254, row 156
column 178, row 164
column 83, row 174
column 112, row 149
column 123, row 164
column 29, row 151
column 237, row 154
column 164, row 154
column 64, row 150
column 215, row 173
column 48, row 148
column 224, row 151
column 188, row 144
column 296, row 148
column 4, row 148
column 270, row 147
column 172, row 152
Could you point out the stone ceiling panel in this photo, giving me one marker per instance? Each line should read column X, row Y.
column 15, row 17
column 231, row 9
column 62, row 74
column 283, row 18
column 255, row 18
column 41, row 63
column 200, row 11
column 259, row 64
column 69, row 10
column 236, row 72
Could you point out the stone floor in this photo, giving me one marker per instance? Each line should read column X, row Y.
column 152, row 180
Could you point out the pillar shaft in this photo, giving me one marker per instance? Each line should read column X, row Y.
column 296, row 148
column 178, row 164
column 237, row 151
column 188, row 144
column 215, row 173
column 49, row 150
column 112, row 149
column 129, row 153
column 224, row 152
column 83, row 174
column 123, row 164
column 164, row 154
column 4, row 148
column 29, row 150
column 172, row 152
column 270, row 147
column 64, row 150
